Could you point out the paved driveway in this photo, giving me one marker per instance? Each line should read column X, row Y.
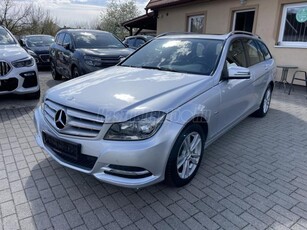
column 254, row 177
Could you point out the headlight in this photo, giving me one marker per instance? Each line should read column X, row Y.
column 31, row 53
column 26, row 62
column 92, row 60
column 138, row 128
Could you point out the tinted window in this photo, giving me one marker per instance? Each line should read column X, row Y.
column 253, row 52
column 67, row 40
column 96, row 40
column 265, row 51
column 130, row 42
column 6, row 38
column 187, row 55
column 236, row 55
column 39, row 41
column 139, row 42
column 59, row 38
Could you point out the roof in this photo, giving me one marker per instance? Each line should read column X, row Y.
column 208, row 36
column 157, row 4
column 37, row 35
column 82, row 30
column 146, row 21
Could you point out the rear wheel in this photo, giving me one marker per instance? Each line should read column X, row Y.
column 265, row 104
column 185, row 156
column 54, row 72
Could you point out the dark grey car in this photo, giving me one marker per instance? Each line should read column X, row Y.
column 38, row 47
column 77, row 52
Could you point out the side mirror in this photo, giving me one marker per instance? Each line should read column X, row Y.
column 121, row 59
column 66, row 46
column 21, row 42
column 237, row 72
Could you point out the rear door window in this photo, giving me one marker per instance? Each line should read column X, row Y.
column 264, row 49
column 254, row 54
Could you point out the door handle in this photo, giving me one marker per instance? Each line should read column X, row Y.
column 266, row 67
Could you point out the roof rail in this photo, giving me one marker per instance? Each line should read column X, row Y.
column 242, row 32
column 173, row 33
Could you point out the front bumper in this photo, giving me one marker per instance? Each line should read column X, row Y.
column 132, row 164
column 20, row 81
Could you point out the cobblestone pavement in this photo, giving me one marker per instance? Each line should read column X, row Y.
column 254, row 177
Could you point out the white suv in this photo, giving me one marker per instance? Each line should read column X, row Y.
column 18, row 70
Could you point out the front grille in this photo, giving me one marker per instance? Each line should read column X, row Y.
column 5, row 68
column 109, row 61
column 78, row 122
column 8, row 84
column 45, row 57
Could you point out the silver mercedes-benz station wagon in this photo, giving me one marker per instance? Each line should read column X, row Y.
column 151, row 117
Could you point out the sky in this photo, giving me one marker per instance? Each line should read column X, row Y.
column 77, row 12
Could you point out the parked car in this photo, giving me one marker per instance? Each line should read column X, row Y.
column 77, row 52
column 137, row 41
column 18, row 71
column 151, row 117
column 38, row 47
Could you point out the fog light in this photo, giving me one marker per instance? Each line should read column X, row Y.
column 28, row 74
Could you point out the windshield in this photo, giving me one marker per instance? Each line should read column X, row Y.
column 96, row 40
column 186, row 55
column 6, row 38
column 39, row 41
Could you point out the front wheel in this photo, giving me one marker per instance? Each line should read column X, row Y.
column 265, row 104
column 185, row 156
column 54, row 72
column 75, row 72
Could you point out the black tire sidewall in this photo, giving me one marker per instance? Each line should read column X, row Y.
column 171, row 173
column 75, row 70
column 54, row 73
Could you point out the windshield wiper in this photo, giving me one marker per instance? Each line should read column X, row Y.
column 159, row 68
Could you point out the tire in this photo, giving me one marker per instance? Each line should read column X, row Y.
column 33, row 96
column 182, row 165
column 265, row 104
column 75, row 72
column 55, row 75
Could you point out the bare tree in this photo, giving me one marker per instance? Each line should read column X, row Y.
column 117, row 12
column 40, row 22
column 26, row 18
column 14, row 17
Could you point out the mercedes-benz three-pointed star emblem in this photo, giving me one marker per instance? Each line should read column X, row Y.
column 60, row 119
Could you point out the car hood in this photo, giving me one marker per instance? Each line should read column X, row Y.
column 112, row 52
column 120, row 93
column 12, row 53
column 40, row 50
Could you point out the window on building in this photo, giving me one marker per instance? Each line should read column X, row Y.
column 293, row 29
column 243, row 20
column 196, row 23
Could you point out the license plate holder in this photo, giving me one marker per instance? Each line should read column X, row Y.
column 62, row 147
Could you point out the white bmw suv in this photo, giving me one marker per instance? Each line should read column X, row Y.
column 18, row 70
